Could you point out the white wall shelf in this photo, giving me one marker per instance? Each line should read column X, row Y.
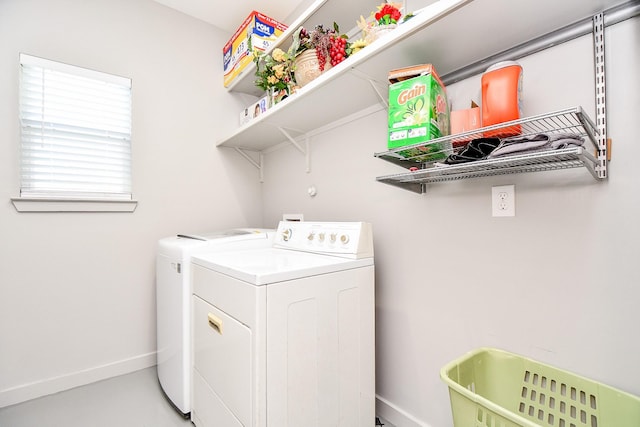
column 342, row 90
column 445, row 33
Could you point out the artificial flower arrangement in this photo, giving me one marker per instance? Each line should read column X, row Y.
column 388, row 13
column 328, row 44
column 277, row 72
column 274, row 73
column 385, row 17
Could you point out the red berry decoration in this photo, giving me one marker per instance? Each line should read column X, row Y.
column 321, row 59
column 337, row 50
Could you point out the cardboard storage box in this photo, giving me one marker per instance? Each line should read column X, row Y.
column 255, row 110
column 418, row 112
column 258, row 31
column 464, row 121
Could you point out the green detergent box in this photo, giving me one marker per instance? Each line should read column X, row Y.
column 418, row 112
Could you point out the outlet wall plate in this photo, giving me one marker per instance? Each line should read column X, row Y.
column 503, row 200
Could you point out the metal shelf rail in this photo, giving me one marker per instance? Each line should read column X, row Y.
column 573, row 120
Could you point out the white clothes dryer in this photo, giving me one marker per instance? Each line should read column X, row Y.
column 284, row 336
column 173, row 302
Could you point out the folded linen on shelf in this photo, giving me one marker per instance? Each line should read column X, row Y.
column 476, row 149
column 537, row 142
column 490, row 148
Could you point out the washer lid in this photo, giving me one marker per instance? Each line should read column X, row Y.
column 271, row 265
column 182, row 246
column 212, row 235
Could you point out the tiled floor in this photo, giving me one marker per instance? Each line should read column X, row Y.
column 133, row 400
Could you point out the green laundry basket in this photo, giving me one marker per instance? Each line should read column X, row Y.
column 494, row 388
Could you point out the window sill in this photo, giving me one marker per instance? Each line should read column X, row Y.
column 23, row 204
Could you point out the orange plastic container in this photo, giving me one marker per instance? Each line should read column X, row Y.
column 502, row 97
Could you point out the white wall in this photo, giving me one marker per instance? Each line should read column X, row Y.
column 558, row 282
column 77, row 295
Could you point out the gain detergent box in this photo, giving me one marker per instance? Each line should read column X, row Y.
column 258, row 31
column 418, row 112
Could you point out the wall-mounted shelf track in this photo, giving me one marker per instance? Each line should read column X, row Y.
column 573, row 121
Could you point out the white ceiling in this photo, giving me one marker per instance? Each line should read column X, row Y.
column 230, row 14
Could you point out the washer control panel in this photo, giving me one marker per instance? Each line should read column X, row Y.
column 346, row 239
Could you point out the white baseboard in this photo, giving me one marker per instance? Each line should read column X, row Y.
column 396, row 415
column 36, row 389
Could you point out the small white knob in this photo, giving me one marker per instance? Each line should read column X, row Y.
column 311, row 236
column 344, row 239
column 286, row 234
column 333, row 237
column 321, row 237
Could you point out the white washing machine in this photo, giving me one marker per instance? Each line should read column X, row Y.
column 284, row 336
column 173, row 302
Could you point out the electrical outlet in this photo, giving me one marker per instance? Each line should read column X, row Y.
column 503, row 200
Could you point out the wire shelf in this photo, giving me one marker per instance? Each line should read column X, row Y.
column 572, row 120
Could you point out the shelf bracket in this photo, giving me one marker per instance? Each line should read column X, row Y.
column 304, row 150
column 257, row 164
column 383, row 99
column 601, row 94
column 375, row 85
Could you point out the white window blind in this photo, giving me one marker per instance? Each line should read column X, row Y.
column 75, row 132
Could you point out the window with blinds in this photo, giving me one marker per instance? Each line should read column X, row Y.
column 75, row 132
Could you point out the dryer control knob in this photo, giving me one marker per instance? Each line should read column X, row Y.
column 311, row 236
column 344, row 238
column 286, row 235
column 321, row 237
column 333, row 237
